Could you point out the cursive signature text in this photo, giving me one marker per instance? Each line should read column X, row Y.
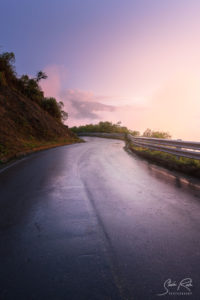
column 174, row 287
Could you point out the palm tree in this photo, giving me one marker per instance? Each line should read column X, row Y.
column 41, row 75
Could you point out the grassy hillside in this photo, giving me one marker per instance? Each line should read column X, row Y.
column 25, row 126
column 28, row 123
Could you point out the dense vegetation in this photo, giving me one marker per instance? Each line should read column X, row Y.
column 170, row 161
column 29, row 87
column 28, row 120
column 156, row 134
column 107, row 127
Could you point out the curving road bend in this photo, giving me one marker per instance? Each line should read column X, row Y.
column 89, row 221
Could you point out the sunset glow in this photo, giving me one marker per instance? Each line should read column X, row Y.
column 137, row 62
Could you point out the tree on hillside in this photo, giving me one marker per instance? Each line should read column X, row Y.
column 156, row 134
column 7, row 69
column 105, row 126
column 41, row 75
column 55, row 109
column 134, row 132
column 147, row 133
column 29, row 87
column 8, row 57
column 64, row 114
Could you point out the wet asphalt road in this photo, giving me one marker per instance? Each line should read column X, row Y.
column 89, row 221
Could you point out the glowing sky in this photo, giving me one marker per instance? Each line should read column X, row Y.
column 120, row 60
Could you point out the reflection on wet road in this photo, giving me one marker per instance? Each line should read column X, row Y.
column 90, row 221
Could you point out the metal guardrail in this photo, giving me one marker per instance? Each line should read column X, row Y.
column 176, row 147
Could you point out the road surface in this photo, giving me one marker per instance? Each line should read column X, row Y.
column 90, row 221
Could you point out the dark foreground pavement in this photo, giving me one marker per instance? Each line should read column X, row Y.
column 89, row 221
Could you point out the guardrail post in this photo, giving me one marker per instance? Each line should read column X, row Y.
column 179, row 148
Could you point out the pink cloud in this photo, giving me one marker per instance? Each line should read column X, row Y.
column 52, row 85
column 173, row 107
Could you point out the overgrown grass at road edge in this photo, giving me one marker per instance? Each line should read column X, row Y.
column 170, row 161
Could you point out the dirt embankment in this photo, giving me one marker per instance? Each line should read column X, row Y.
column 25, row 127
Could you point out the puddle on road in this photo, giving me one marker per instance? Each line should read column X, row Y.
column 187, row 183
